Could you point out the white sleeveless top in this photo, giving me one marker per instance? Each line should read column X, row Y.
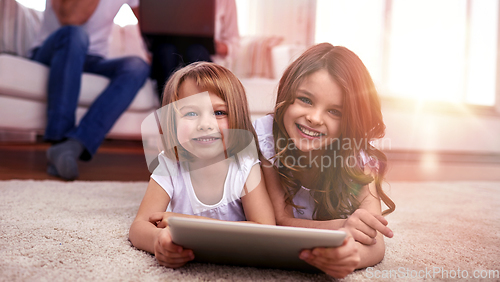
column 175, row 179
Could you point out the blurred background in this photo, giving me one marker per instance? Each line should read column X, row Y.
column 435, row 64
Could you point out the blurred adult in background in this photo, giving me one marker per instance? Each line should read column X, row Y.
column 74, row 39
column 168, row 56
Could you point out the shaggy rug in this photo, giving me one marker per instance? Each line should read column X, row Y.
column 78, row 231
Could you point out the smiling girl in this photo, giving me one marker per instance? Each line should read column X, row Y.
column 321, row 168
column 209, row 166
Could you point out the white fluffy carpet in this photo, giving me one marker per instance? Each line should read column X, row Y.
column 78, row 231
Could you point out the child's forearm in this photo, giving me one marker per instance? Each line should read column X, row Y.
column 369, row 254
column 167, row 215
column 170, row 214
column 143, row 234
column 320, row 224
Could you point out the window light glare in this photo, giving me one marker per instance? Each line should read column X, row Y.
column 125, row 16
column 38, row 5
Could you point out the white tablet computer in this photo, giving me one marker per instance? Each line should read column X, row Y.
column 248, row 244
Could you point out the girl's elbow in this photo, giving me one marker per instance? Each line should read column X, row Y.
column 133, row 235
column 371, row 255
column 268, row 220
column 379, row 252
column 379, row 255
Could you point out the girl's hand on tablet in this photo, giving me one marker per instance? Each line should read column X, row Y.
column 337, row 262
column 169, row 254
column 364, row 226
column 160, row 219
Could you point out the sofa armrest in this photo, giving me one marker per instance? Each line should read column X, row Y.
column 19, row 27
column 26, row 79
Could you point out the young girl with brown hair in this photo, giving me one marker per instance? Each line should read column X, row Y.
column 209, row 165
column 321, row 168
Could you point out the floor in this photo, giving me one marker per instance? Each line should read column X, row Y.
column 119, row 160
column 442, row 166
column 116, row 160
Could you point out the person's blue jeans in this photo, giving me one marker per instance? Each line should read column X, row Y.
column 65, row 52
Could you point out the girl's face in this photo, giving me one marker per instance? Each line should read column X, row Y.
column 200, row 121
column 313, row 120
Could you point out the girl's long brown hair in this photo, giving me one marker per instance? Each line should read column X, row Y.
column 335, row 191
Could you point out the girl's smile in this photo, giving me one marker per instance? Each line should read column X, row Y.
column 206, row 140
column 308, row 132
column 313, row 120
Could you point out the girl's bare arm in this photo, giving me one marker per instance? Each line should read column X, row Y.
column 368, row 217
column 143, row 232
column 145, row 235
column 284, row 212
column 371, row 225
column 256, row 202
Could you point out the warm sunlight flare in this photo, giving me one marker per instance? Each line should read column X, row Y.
column 125, row 16
column 426, row 61
column 38, row 5
column 342, row 22
column 483, row 49
column 443, row 50
column 429, row 162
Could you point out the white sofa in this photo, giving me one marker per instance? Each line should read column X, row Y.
column 23, row 85
column 23, row 92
